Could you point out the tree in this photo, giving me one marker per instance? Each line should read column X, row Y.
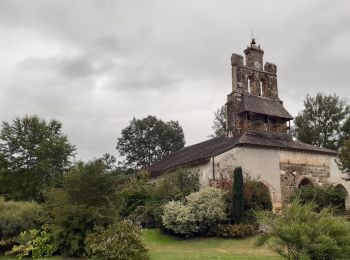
column 148, row 140
column 344, row 158
column 219, row 123
column 321, row 121
column 34, row 154
column 302, row 233
column 237, row 196
column 86, row 199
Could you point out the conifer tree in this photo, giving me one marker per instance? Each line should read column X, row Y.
column 237, row 196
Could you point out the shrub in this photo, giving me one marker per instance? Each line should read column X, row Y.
column 16, row 217
column 256, row 195
column 232, row 231
column 197, row 213
column 302, row 233
column 323, row 197
column 118, row 241
column 142, row 202
column 176, row 185
column 36, row 243
column 86, row 200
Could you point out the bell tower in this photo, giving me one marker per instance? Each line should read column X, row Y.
column 254, row 102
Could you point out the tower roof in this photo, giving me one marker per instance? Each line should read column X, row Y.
column 263, row 105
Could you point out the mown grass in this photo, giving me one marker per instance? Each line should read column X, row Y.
column 167, row 247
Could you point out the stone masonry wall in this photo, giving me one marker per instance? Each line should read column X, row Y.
column 293, row 173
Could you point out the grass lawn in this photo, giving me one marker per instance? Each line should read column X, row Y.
column 167, row 247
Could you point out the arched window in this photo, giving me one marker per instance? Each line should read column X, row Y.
column 260, row 89
column 250, row 84
column 263, row 87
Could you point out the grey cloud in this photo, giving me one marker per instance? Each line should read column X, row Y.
column 99, row 63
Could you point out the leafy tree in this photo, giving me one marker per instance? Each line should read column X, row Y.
column 344, row 158
column 34, row 154
column 86, row 199
column 148, row 140
column 321, row 121
column 237, row 196
column 219, row 123
column 302, row 233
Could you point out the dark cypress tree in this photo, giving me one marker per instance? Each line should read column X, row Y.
column 237, row 196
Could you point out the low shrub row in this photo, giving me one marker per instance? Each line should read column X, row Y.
column 232, row 231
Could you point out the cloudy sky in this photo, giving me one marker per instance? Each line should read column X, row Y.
column 94, row 65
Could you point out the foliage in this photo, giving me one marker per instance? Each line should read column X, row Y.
column 232, row 231
column 148, row 140
column 16, row 217
column 34, row 154
column 219, row 123
column 36, row 243
column 176, row 185
column 302, row 233
column 134, row 194
column 121, row 240
column 237, row 212
column 323, row 197
column 321, row 121
column 344, row 158
column 256, row 195
column 142, row 202
column 87, row 199
column 198, row 212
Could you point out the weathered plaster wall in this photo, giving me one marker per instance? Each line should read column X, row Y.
column 281, row 171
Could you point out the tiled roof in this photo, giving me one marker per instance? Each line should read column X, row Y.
column 194, row 154
column 202, row 152
column 263, row 105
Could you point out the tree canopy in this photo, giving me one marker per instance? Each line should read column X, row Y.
column 148, row 140
column 33, row 155
column 323, row 121
column 219, row 122
column 344, row 158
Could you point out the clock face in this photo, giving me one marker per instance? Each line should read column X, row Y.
column 257, row 64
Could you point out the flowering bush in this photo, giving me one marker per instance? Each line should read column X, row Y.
column 197, row 213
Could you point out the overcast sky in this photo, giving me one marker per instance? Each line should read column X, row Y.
column 94, row 65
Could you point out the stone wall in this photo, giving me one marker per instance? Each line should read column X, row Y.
column 293, row 173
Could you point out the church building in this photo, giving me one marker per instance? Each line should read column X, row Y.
column 258, row 139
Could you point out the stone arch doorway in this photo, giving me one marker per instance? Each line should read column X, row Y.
column 305, row 182
column 258, row 195
column 342, row 203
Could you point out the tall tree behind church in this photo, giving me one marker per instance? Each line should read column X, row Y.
column 322, row 121
column 219, row 122
column 148, row 140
